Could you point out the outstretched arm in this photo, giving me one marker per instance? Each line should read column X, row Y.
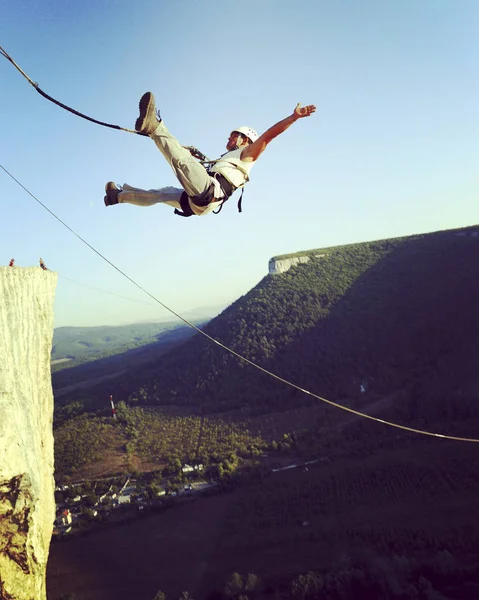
column 252, row 152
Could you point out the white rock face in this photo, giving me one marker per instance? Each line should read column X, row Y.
column 27, row 505
column 281, row 265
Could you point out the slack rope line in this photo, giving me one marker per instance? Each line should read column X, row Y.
column 231, row 351
column 60, row 104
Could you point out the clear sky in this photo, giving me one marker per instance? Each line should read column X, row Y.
column 392, row 149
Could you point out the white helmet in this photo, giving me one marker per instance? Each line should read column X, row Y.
column 248, row 132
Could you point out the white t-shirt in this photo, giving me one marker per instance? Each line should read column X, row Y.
column 233, row 168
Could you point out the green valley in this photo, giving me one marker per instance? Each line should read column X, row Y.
column 315, row 502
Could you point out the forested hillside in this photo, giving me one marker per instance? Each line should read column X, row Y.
column 365, row 321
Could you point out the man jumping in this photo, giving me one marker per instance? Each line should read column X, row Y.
column 204, row 189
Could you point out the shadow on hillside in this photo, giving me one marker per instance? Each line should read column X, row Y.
column 409, row 320
column 406, row 320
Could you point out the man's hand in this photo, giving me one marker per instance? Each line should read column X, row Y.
column 304, row 111
column 253, row 151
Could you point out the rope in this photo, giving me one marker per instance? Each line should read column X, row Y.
column 231, row 351
column 72, row 110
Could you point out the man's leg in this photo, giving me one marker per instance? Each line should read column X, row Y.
column 167, row 195
column 191, row 175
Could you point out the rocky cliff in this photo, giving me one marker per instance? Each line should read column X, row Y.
column 281, row 264
column 27, row 507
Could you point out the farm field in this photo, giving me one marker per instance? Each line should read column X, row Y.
column 89, row 447
column 143, row 439
column 413, row 501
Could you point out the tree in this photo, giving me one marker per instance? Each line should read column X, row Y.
column 306, row 587
column 122, row 411
column 107, row 502
column 90, row 499
column 234, row 586
column 174, row 465
column 251, row 582
column 88, row 514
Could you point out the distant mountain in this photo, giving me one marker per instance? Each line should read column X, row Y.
column 203, row 313
column 83, row 357
column 87, row 343
column 354, row 323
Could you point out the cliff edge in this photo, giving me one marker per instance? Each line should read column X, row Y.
column 281, row 264
column 27, row 505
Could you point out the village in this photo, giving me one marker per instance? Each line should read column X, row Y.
column 83, row 505
column 80, row 506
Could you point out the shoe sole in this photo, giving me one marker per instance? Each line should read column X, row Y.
column 144, row 105
column 109, row 186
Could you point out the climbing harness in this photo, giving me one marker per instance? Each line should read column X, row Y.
column 228, row 189
column 204, row 199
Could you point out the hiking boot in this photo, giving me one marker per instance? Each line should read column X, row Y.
column 111, row 193
column 148, row 121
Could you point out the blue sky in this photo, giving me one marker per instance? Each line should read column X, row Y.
column 392, row 150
